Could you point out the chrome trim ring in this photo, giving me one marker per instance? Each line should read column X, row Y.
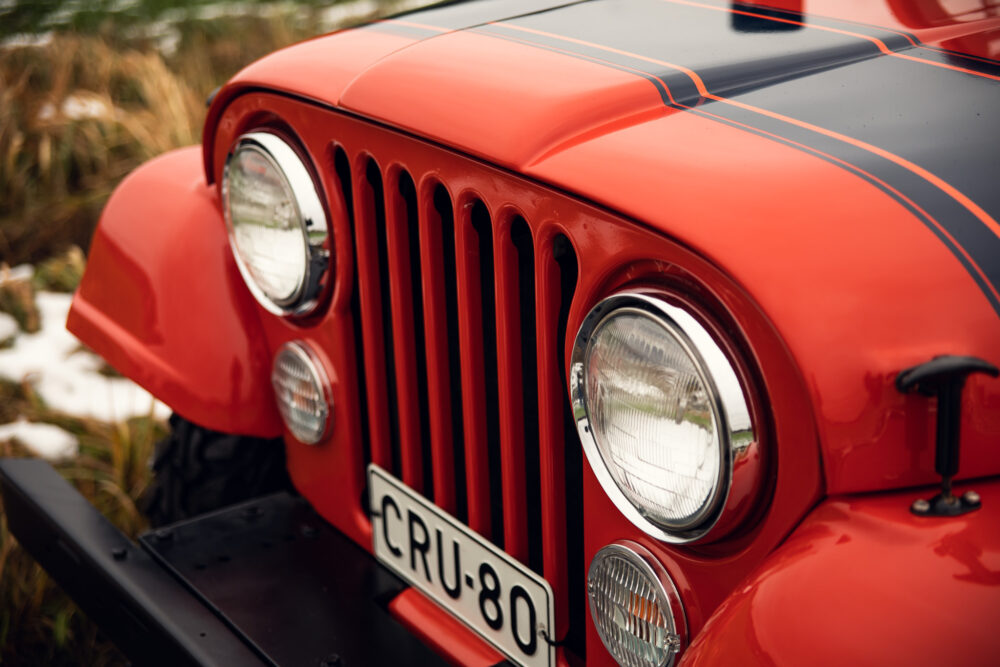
column 312, row 221
column 668, row 599
column 737, row 436
column 319, row 378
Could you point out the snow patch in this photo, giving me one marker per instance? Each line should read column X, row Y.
column 66, row 376
column 45, row 440
column 78, row 106
column 19, row 272
column 27, row 40
column 8, row 327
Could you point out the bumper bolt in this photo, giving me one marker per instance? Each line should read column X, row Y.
column 119, row 553
column 921, row 506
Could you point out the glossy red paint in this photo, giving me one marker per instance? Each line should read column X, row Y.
column 617, row 253
column 819, row 280
column 163, row 302
column 562, row 120
column 439, row 630
column 863, row 581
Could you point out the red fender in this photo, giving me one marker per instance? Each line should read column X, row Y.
column 163, row 301
column 862, row 581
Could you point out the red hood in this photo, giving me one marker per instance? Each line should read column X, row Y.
column 842, row 173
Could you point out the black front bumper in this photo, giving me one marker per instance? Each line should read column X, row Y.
column 265, row 582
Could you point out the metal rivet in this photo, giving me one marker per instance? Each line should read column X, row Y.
column 310, row 531
column 972, row 497
column 920, row 505
column 119, row 553
column 164, row 535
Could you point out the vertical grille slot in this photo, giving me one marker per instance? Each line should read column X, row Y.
column 405, row 302
column 473, row 368
column 342, row 168
column 571, row 560
column 413, row 217
column 484, row 293
column 373, row 177
column 444, row 385
column 445, row 210
column 379, row 373
column 556, row 283
column 520, row 236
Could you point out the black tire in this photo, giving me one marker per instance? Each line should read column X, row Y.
column 197, row 470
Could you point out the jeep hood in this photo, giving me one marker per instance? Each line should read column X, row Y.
column 840, row 167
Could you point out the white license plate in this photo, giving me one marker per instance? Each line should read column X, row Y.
column 500, row 599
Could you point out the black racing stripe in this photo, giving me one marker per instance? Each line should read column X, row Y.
column 703, row 40
column 933, row 117
column 807, row 141
column 954, row 59
column 940, row 213
column 462, row 15
column 963, row 54
column 928, row 207
column 554, row 46
column 894, row 40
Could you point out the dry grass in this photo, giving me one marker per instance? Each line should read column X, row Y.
column 77, row 113
column 39, row 625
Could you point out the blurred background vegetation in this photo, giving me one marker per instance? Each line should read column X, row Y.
column 88, row 91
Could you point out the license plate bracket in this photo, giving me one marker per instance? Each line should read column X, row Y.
column 495, row 596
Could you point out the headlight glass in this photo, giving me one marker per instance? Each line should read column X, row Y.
column 660, row 411
column 277, row 224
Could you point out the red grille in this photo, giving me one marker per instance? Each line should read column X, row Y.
column 460, row 309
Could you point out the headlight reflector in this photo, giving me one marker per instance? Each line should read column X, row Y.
column 661, row 413
column 276, row 221
column 635, row 606
column 302, row 391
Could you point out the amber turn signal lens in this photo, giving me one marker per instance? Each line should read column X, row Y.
column 302, row 392
column 635, row 606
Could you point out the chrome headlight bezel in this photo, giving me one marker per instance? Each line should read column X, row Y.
column 311, row 215
column 711, row 361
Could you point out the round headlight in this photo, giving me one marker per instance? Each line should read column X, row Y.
column 661, row 412
column 635, row 606
column 302, row 391
column 277, row 224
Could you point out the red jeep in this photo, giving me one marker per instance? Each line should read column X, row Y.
column 635, row 330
